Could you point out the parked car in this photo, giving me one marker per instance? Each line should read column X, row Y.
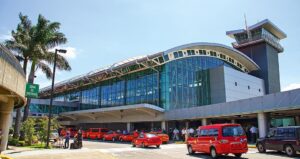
column 84, row 133
column 54, row 135
column 126, row 137
column 146, row 140
column 164, row 137
column 285, row 139
column 96, row 133
column 72, row 131
column 219, row 139
column 111, row 136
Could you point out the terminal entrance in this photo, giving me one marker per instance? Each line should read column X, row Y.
column 147, row 126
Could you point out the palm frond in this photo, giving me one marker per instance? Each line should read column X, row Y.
column 45, row 69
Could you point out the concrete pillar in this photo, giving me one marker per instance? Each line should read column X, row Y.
column 262, row 124
column 128, row 126
column 297, row 120
column 152, row 125
column 232, row 121
column 5, row 116
column 204, row 121
column 163, row 125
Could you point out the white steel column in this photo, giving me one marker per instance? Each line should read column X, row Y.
column 232, row 121
column 128, row 126
column 163, row 125
column 204, row 121
column 187, row 124
column 262, row 124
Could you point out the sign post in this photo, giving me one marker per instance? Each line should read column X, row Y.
column 32, row 90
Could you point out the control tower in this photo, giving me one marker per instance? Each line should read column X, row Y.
column 261, row 42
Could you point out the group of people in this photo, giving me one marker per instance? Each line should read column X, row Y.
column 176, row 135
column 77, row 140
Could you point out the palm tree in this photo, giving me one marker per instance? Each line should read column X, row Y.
column 33, row 44
column 46, row 37
column 20, row 45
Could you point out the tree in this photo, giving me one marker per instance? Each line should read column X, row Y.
column 32, row 43
column 20, row 44
column 46, row 37
column 28, row 129
column 42, row 126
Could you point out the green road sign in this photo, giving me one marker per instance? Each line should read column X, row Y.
column 32, row 90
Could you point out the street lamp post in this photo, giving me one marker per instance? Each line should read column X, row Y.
column 51, row 96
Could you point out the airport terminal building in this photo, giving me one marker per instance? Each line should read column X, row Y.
column 188, row 85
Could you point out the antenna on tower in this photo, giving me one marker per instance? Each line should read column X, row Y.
column 247, row 29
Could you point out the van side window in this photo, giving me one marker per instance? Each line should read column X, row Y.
column 95, row 130
column 213, row 132
column 203, row 132
column 279, row 133
column 290, row 132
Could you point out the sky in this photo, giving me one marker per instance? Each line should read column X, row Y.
column 103, row 32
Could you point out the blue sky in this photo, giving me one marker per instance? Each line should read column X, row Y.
column 104, row 32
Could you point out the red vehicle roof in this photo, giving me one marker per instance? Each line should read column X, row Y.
column 219, row 125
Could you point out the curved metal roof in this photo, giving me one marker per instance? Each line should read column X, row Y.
column 144, row 62
column 241, row 57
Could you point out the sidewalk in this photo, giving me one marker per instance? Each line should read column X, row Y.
column 29, row 153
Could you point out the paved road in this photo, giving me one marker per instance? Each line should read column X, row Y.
column 96, row 149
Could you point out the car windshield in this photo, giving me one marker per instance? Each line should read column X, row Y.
column 232, row 131
column 150, row 135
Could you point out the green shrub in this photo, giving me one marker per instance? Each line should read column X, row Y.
column 35, row 139
column 21, row 143
column 13, row 142
column 28, row 129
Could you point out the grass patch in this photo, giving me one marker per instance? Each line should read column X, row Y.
column 36, row 146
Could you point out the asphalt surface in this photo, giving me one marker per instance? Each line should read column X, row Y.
column 99, row 149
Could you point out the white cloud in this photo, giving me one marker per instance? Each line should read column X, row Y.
column 5, row 37
column 291, row 86
column 71, row 52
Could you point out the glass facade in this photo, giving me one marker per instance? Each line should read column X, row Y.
column 177, row 84
column 41, row 109
column 185, row 82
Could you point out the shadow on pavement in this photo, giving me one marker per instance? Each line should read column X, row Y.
column 207, row 156
column 279, row 154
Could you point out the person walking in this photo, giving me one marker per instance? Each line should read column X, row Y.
column 191, row 132
column 253, row 131
column 67, row 140
column 183, row 133
column 175, row 134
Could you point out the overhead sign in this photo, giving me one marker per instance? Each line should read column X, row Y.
column 32, row 90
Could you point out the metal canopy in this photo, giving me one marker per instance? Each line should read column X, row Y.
column 115, row 112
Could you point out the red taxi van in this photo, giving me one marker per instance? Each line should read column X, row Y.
column 146, row 139
column 72, row 132
column 96, row 133
column 219, row 139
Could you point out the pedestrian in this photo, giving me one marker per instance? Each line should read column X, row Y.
column 191, row 132
column 183, row 133
column 79, row 138
column 175, row 134
column 67, row 140
column 253, row 131
column 170, row 133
